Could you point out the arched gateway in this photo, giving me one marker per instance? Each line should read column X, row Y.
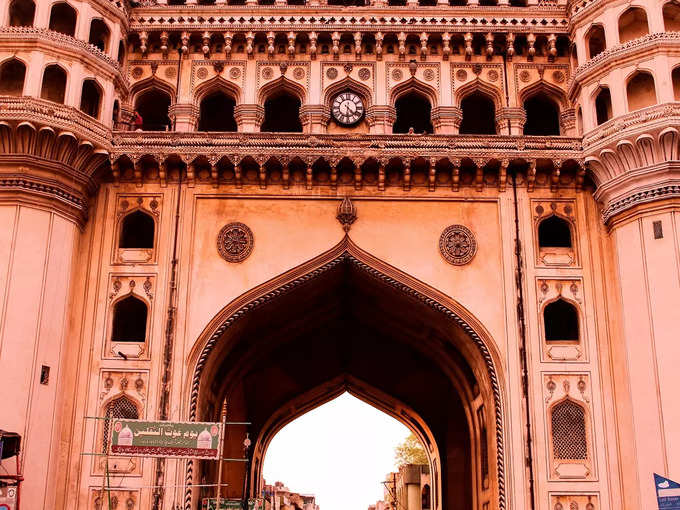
column 346, row 321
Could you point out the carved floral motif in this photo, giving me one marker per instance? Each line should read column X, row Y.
column 235, row 242
column 457, row 245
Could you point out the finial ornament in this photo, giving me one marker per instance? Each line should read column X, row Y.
column 347, row 213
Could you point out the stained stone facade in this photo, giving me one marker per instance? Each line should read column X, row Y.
column 463, row 212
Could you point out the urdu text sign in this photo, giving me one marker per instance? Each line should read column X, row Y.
column 667, row 493
column 183, row 440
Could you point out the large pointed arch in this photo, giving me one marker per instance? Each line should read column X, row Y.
column 415, row 85
column 482, row 87
column 217, row 84
column 152, row 82
column 282, row 84
column 478, row 344
column 543, row 87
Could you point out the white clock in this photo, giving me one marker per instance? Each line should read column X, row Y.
column 348, row 108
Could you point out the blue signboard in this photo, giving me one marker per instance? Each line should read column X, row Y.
column 667, row 493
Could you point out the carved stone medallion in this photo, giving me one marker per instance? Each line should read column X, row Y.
column 457, row 245
column 364, row 73
column 332, row 73
column 202, row 73
column 397, row 74
column 235, row 242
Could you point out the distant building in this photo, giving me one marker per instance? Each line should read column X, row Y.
column 280, row 497
column 406, row 489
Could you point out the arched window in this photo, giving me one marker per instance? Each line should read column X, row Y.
column 282, row 113
column 63, row 19
column 425, row 497
column 579, row 120
column 633, row 24
column 568, row 422
column 217, row 113
column 413, row 112
column 53, row 84
column 12, row 74
column 603, row 106
column 99, row 34
column 153, row 105
column 137, row 231
column 121, row 53
column 596, row 40
column 671, row 17
column 21, row 13
column 543, row 116
column 90, row 98
column 479, row 115
column 640, row 91
column 675, row 76
column 129, row 320
column 122, row 408
column 554, row 232
column 560, row 319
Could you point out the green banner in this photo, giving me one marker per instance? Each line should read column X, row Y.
column 231, row 504
column 183, row 440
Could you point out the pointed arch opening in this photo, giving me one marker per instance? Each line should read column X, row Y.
column 675, row 77
column 99, row 34
column 640, row 91
column 217, row 112
column 12, row 76
column 153, row 105
column 560, row 319
column 137, row 231
column 21, row 13
column 671, row 16
column 633, row 24
column 543, row 116
column 554, row 232
column 595, row 40
column 271, row 371
column 54, row 84
column 129, row 320
column 414, row 114
column 90, row 98
column 479, row 114
column 282, row 113
column 63, row 19
column 603, row 106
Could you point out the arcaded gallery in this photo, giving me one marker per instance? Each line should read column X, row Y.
column 465, row 213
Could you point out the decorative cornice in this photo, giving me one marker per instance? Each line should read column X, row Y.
column 369, row 19
column 638, row 198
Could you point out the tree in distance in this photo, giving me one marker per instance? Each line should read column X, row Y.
column 410, row 451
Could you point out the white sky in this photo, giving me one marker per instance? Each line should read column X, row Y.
column 340, row 452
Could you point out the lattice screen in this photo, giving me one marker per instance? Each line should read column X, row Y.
column 569, row 431
column 122, row 407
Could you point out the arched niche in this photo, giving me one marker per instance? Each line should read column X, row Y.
column 129, row 321
column 543, row 115
column 595, row 40
column 12, row 76
column 99, row 34
column 282, row 112
column 21, row 13
column 63, row 19
column 675, row 78
column 560, row 321
column 54, row 83
column 603, row 105
column 671, row 16
column 216, row 112
column 91, row 98
column 633, row 24
column 640, row 91
column 137, row 231
column 238, row 353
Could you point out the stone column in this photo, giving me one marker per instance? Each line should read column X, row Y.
column 314, row 118
column 184, row 116
column 411, row 477
column 446, row 119
column 517, row 118
column 380, row 119
column 249, row 117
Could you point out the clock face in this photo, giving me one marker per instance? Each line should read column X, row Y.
column 348, row 108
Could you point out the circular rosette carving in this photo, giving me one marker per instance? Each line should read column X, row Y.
column 235, row 242
column 457, row 245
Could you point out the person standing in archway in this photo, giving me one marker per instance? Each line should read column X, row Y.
column 137, row 121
